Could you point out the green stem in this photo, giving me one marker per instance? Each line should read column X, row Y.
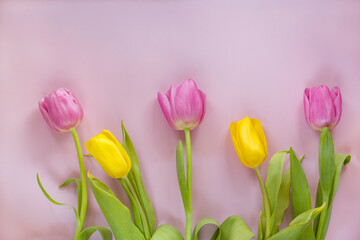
column 322, row 220
column 189, row 213
column 266, row 203
column 142, row 213
column 82, row 210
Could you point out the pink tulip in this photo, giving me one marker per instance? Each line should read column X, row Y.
column 183, row 105
column 61, row 110
column 322, row 107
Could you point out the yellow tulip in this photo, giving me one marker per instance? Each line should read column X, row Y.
column 110, row 154
column 249, row 141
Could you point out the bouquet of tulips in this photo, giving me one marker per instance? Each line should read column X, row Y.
column 184, row 108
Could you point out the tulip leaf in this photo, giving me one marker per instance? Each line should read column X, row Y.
column 105, row 233
column 78, row 189
column 301, row 197
column 274, row 175
column 298, row 226
column 117, row 214
column 52, row 200
column 260, row 230
column 201, row 224
column 326, row 162
column 235, row 228
column 340, row 161
column 134, row 207
column 181, row 175
column 167, row 232
column 136, row 180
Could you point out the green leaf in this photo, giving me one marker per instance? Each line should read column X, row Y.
column 181, row 175
column 326, row 162
column 274, row 175
column 135, row 210
column 260, row 230
column 201, row 224
column 235, row 228
column 52, row 200
column 301, row 197
column 78, row 189
column 283, row 200
column 298, row 226
column 117, row 214
column 135, row 178
column 167, row 232
column 340, row 161
column 88, row 232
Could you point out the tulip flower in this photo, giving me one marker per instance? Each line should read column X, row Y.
column 249, row 141
column 110, row 154
column 183, row 105
column 322, row 107
column 61, row 110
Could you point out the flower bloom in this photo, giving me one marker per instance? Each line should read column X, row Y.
column 183, row 105
column 249, row 141
column 110, row 154
column 61, row 110
column 322, row 107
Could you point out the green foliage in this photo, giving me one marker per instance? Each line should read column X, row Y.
column 88, row 232
column 167, row 232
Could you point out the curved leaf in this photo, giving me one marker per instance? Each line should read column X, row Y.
column 235, row 228
column 136, row 180
column 298, row 226
column 117, row 214
column 274, row 175
column 53, row 201
column 301, row 197
column 78, row 189
column 88, row 232
column 167, row 232
column 201, row 224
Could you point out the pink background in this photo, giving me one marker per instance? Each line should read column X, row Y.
column 251, row 58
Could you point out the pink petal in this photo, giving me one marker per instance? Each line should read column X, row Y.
column 322, row 110
column 336, row 96
column 307, row 106
column 165, row 106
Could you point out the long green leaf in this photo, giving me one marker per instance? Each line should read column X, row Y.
column 88, row 232
column 134, row 207
column 298, row 226
column 326, row 162
column 52, row 200
column 260, row 229
column 136, row 180
column 167, row 232
column 235, row 228
column 117, row 214
column 78, row 189
column 301, row 197
column 340, row 161
column 201, row 224
column 274, row 175
column 181, row 174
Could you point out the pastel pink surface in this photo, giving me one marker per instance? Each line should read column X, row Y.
column 253, row 58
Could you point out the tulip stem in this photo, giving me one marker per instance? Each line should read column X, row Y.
column 319, row 233
column 266, row 203
column 189, row 212
column 142, row 213
column 83, row 206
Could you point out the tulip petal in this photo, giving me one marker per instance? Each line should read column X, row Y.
column 165, row 106
column 260, row 132
column 45, row 114
column 336, row 96
column 234, row 134
column 322, row 111
column 307, row 106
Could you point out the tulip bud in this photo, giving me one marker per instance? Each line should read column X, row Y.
column 249, row 141
column 110, row 154
column 183, row 105
column 322, row 107
column 61, row 110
